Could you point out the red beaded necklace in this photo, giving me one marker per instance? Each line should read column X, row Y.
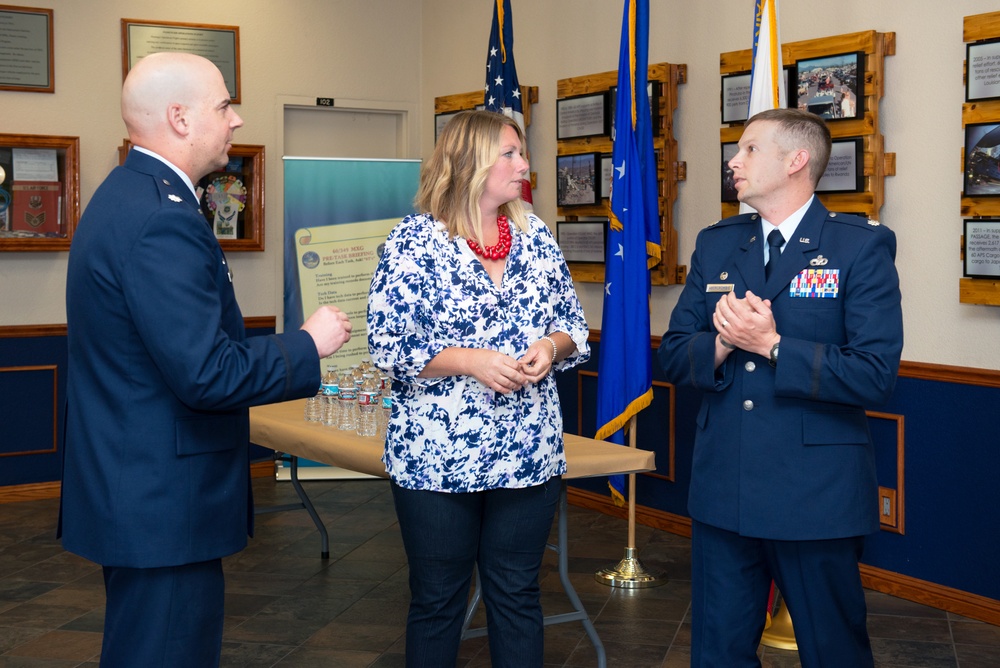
column 500, row 249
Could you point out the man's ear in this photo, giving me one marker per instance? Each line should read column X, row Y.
column 799, row 161
column 177, row 118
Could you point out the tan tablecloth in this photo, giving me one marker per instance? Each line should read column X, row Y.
column 282, row 427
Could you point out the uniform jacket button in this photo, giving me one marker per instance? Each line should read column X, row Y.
column 748, row 405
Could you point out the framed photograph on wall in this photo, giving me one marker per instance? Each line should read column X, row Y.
column 582, row 116
column 982, row 79
column 982, row 248
column 582, row 240
column 729, row 150
column 981, row 177
column 576, row 179
column 845, row 172
column 832, row 87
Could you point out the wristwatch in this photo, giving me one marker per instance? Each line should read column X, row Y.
column 774, row 355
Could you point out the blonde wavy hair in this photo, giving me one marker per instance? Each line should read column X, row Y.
column 453, row 180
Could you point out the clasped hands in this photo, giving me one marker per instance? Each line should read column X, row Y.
column 504, row 374
column 746, row 323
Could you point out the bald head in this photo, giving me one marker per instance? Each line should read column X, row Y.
column 177, row 105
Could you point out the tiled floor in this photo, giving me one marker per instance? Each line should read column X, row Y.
column 288, row 608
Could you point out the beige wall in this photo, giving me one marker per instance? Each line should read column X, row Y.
column 920, row 116
column 294, row 49
column 412, row 51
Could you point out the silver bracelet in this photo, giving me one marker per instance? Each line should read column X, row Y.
column 555, row 350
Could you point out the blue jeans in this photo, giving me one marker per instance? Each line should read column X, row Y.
column 503, row 532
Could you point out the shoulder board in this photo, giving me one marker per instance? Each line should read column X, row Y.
column 852, row 219
column 741, row 219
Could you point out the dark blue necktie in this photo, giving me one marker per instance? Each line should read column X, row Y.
column 774, row 243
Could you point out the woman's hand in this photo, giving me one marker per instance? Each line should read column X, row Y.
column 537, row 362
column 499, row 372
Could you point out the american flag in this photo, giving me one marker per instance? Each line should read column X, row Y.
column 503, row 92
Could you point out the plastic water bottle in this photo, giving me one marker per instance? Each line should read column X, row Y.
column 368, row 406
column 383, row 415
column 331, row 397
column 348, row 418
column 314, row 407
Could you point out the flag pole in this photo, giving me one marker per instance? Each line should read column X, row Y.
column 630, row 573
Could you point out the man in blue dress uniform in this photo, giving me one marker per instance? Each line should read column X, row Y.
column 783, row 477
column 161, row 375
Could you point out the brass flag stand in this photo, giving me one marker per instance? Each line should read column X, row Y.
column 630, row 573
column 779, row 632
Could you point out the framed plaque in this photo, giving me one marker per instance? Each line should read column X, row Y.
column 26, row 62
column 735, row 97
column 220, row 44
column 652, row 92
column 582, row 240
column 582, row 116
column 829, row 86
column 845, row 171
column 982, row 248
column 441, row 120
column 576, row 179
column 981, row 177
column 982, row 79
column 607, row 173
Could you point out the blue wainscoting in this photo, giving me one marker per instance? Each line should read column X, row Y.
column 938, row 449
column 32, row 401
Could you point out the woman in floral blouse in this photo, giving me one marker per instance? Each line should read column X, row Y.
column 470, row 308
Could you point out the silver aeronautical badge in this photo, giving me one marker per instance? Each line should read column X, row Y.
column 818, row 261
column 174, row 198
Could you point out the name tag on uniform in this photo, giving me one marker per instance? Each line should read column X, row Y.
column 720, row 287
column 816, row 283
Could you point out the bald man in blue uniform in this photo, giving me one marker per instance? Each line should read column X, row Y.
column 161, row 374
column 790, row 324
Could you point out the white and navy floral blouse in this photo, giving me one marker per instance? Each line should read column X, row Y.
column 429, row 292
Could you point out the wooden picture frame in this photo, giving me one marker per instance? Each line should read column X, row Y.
column 582, row 116
column 246, row 171
column 218, row 43
column 577, row 179
column 39, row 192
column 845, row 170
column 26, row 61
column 832, row 87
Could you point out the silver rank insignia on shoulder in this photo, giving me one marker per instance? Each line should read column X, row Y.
column 714, row 224
column 818, row 261
column 873, row 223
column 174, row 198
